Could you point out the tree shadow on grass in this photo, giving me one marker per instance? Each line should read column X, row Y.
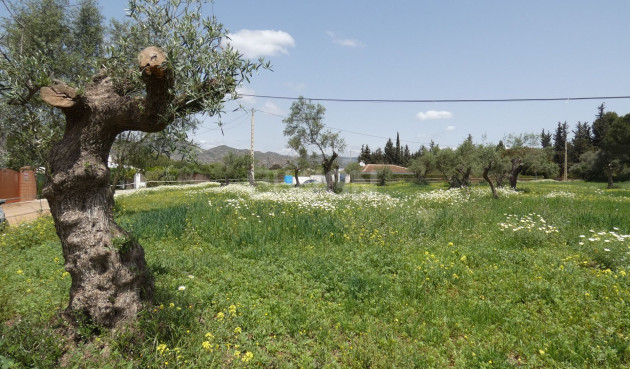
column 173, row 316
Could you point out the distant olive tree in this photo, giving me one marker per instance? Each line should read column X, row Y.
column 458, row 165
column 384, row 174
column 305, row 128
column 233, row 166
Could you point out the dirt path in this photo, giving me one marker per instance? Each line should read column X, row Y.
column 26, row 211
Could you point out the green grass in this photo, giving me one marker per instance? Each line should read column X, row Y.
column 397, row 276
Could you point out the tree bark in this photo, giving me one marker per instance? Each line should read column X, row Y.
column 609, row 175
column 487, row 178
column 296, row 172
column 107, row 267
column 517, row 167
column 109, row 276
column 466, row 177
column 327, row 165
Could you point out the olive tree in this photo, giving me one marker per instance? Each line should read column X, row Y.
column 298, row 163
column 524, row 156
column 384, row 174
column 492, row 164
column 185, row 68
column 305, row 128
column 233, row 166
column 457, row 165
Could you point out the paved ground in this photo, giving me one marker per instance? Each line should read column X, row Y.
column 26, row 211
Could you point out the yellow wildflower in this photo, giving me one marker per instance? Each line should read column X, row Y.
column 247, row 357
column 161, row 348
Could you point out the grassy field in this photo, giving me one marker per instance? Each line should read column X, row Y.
column 400, row 276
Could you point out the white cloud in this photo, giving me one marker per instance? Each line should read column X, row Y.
column 272, row 108
column 297, row 87
column 450, row 128
column 204, row 144
column 434, row 114
column 246, row 100
column 257, row 43
column 345, row 42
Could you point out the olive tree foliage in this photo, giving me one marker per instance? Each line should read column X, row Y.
column 457, row 165
column 168, row 65
column 298, row 163
column 525, row 156
column 384, row 174
column 130, row 148
column 424, row 163
column 305, row 128
column 492, row 165
column 233, row 166
column 40, row 41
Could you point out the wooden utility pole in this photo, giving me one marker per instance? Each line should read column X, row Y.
column 250, row 173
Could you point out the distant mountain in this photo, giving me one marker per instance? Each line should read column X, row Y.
column 267, row 159
column 217, row 153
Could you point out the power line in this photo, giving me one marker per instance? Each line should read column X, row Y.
column 225, row 126
column 353, row 132
column 536, row 99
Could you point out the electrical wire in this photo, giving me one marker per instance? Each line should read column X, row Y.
column 353, row 132
column 224, row 126
column 536, row 99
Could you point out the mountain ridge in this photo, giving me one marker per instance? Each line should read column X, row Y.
column 268, row 159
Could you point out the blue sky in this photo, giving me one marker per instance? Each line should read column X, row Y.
column 403, row 49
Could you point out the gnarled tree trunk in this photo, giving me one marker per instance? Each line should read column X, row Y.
column 485, row 176
column 296, row 173
column 327, row 165
column 517, row 167
column 107, row 266
column 609, row 175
